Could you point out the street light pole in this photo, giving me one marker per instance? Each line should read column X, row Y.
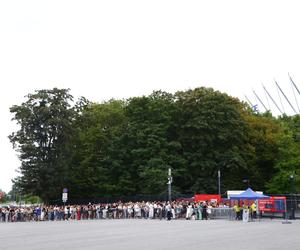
column 292, row 177
column 169, row 185
column 219, row 181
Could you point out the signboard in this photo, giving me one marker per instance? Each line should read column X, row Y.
column 245, row 215
column 64, row 197
column 207, row 197
column 273, row 205
column 265, row 205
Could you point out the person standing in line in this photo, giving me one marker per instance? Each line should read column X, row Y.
column 189, row 211
column 204, row 211
column 146, row 211
column 253, row 210
column 159, row 211
column 89, row 209
column 66, row 212
column 199, row 211
column 38, row 213
column 169, row 211
column 173, row 211
column 120, row 211
column 151, row 211
column 42, row 213
column 130, row 211
column 209, row 211
column 78, row 212
column 125, row 211
column 237, row 211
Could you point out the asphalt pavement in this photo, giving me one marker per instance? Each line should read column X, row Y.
column 150, row 234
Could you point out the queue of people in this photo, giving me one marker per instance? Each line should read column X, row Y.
column 129, row 210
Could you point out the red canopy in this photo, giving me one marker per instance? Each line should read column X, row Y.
column 207, row 197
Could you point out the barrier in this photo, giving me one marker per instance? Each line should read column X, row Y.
column 222, row 213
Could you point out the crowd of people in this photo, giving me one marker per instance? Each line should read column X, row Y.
column 129, row 210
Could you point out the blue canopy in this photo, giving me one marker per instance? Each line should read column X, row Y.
column 249, row 194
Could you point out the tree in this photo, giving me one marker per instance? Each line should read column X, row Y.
column 263, row 131
column 46, row 128
column 212, row 132
column 3, row 196
column 150, row 141
column 286, row 178
column 126, row 147
column 98, row 162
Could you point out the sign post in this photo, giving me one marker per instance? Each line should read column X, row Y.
column 245, row 215
column 65, row 196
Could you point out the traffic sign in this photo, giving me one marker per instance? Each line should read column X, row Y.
column 64, row 197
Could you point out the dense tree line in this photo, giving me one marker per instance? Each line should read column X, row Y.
column 124, row 147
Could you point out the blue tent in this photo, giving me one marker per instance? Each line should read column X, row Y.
column 249, row 194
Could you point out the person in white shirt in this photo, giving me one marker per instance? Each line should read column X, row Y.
column 189, row 212
column 137, row 211
column 66, row 211
column 151, row 211
column 173, row 212
column 42, row 213
column 209, row 210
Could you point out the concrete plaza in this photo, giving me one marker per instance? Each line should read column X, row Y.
column 150, row 234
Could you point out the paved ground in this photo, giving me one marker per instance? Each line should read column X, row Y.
column 150, row 234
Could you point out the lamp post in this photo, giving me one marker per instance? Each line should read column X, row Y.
column 170, row 179
column 292, row 178
column 219, row 181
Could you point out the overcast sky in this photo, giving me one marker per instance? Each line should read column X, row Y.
column 118, row 49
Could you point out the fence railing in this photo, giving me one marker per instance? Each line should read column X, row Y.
column 222, row 213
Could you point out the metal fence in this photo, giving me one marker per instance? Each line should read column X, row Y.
column 292, row 206
column 222, row 213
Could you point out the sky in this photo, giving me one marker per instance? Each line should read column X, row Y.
column 119, row 49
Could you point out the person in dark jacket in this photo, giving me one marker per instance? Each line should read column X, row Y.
column 204, row 211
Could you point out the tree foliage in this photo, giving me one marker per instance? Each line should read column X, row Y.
column 124, row 147
column 287, row 166
column 46, row 128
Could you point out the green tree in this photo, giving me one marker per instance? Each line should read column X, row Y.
column 46, row 128
column 211, row 131
column 126, row 147
column 263, row 131
column 288, row 160
column 3, row 196
column 98, row 161
column 150, row 142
